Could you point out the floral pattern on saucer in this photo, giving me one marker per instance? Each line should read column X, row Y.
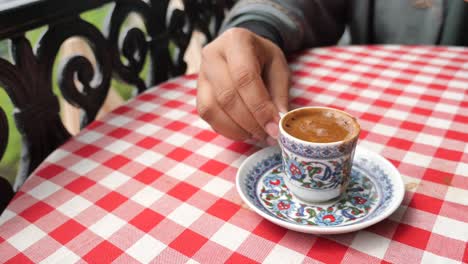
column 363, row 200
column 359, row 200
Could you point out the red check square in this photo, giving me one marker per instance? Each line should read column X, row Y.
column 173, row 104
column 148, row 175
column 183, row 191
column 105, row 252
column 206, row 135
column 426, row 203
column 188, row 243
column 438, row 176
column 270, row 231
column 179, row 154
column 119, row 132
column 67, row 231
column 36, row 211
column 87, row 151
column 412, row 236
column 213, row 167
column 121, row 110
column 148, row 142
column 50, row 171
column 400, row 143
column 223, row 209
column 111, row 201
column 240, row 147
column 20, row 258
column 449, row 154
column 412, row 126
column 176, row 126
column 116, row 162
column 327, row 251
column 148, row 117
column 146, row 220
column 146, row 97
column 80, row 185
column 238, row 258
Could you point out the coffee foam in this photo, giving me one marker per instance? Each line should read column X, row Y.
column 321, row 125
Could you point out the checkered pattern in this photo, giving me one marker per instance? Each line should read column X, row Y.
column 152, row 183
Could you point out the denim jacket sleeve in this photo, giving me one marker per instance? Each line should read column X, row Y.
column 299, row 23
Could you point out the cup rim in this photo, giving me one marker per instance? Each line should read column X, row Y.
column 284, row 133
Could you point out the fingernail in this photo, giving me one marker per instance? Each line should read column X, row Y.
column 271, row 141
column 272, row 129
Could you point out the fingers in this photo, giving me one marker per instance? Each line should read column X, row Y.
column 248, row 81
column 211, row 112
column 277, row 78
column 217, row 74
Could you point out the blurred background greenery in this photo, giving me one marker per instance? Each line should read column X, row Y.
column 10, row 161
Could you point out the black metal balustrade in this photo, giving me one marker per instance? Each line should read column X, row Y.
column 28, row 79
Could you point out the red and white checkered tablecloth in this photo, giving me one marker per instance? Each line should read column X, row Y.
column 152, row 183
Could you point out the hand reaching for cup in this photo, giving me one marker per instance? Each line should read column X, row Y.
column 242, row 86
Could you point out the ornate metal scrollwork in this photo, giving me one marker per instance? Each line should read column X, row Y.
column 28, row 81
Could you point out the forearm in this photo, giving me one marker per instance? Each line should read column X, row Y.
column 292, row 24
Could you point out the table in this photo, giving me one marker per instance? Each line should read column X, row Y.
column 152, row 183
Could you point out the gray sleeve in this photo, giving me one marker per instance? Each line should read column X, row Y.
column 299, row 23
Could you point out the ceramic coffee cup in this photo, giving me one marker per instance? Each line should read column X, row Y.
column 317, row 172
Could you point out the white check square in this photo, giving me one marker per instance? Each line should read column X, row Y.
column 457, row 195
column 384, row 130
column 62, row 256
column 146, row 249
column 371, row 244
column 462, row 168
column 114, row 180
column 148, row 158
column 89, row 137
column 396, row 114
column 74, row 206
column 171, row 94
column 44, row 190
column 181, row 171
column 185, row 215
column 148, row 129
column 218, row 186
column 147, row 196
column 406, row 100
column 84, row 166
column 230, row 236
column 451, row 228
column 438, row 122
column 147, row 107
column 57, row 155
column 428, row 139
column 119, row 121
column 175, row 114
column 210, row 150
column 429, row 257
column 177, row 139
column 119, row 146
column 280, row 254
column 26, row 237
column 451, row 109
column 417, row 159
column 107, row 226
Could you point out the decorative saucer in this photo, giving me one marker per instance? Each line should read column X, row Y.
column 375, row 191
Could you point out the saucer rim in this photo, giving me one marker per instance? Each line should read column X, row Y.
column 393, row 173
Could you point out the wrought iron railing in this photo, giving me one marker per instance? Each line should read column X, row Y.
column 28, row 80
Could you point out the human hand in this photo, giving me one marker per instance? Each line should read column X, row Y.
column 242, row 86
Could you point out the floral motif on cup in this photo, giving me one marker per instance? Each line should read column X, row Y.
column 360, row 199
column 316, row 174
column 317, row 152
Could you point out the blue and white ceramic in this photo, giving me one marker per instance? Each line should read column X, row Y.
column 375, row 190
column 317, row 172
